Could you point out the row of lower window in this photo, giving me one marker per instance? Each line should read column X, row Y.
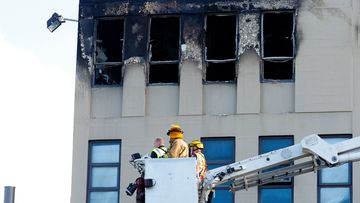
column 334, row 184
column 220, row 48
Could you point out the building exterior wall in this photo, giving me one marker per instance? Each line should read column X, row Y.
column 324, row 98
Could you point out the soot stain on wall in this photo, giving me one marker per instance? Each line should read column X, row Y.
column 137, row 15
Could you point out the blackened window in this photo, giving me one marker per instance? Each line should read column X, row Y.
column 108, row 53
column 278, row 45
column 221, row 46
column 164, row 50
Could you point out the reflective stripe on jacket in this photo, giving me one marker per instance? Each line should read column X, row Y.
column 201, row 165
column 178, row 149
column 158, row 152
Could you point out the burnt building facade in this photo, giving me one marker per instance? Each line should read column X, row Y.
column 244, row 76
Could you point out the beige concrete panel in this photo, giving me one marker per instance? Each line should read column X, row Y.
column 133, row 103
column 356, row 110
column 356, row 182
column 81, row 132
column 162, row 100
column 79, row 163
column 305, row 123
column 305, row 186
column 220, row 125
column 248, row 196
column 323, row 67
column 248, row 84
column 247, row 142
column 309, row 4
column 106, row 102
column 277, row 97
column 220, row 99
column 356, row 65
column 191, row 89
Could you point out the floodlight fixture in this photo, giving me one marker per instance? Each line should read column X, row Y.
column 56, row 20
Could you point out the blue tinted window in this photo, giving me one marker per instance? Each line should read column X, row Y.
column 335, row 183
column 104, row 176
column 281, row 191
column 338, row 174
column 335, row 195
column 278, row 195
column 103, row 171
column 271, row 143
column 104, row 197
column 268, row 144
column 223, row 196
column 219, row 152
column 222, row 151
column 105, row 153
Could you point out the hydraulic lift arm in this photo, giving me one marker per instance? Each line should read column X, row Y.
column 312, row 154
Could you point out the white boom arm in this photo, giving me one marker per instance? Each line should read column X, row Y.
column 312, row 154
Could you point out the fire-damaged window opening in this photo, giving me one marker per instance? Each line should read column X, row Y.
column 278, row 46
column 108, row 52
column 164, row 49
column 221, row 47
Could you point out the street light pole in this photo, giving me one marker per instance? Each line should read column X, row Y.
column 9, row 194
column 69, row 19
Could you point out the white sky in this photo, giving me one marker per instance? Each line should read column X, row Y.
column 37, row 71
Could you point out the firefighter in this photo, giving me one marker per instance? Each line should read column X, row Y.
column 178, row 147
column 196, row 148
column 159, row 150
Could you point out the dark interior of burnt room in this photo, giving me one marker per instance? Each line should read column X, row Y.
column 278, row 46
column 107, row 75
column 164, row 50
column 216, row 72
column 278, row 70
column 108, row 51
column 164, row 38
column 109, row 40
column 220, row 48
column 164, row 73
column 278, row 34
column 220, row 37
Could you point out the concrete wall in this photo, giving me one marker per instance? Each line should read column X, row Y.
column 324, row 99
column 137, row 134
column 324, row 62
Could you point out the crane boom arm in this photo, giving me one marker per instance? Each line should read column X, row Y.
column 312, row 154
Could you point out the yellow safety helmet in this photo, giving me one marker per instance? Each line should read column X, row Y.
column 197, row 144
column 174, row 128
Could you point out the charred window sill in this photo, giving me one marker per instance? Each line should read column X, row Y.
column 219, row 82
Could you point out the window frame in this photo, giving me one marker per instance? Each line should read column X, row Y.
column 91, row 165
column 280, row 184
column 204, row 139
column 235, row 59
column 120, row 63
column 277, row 59
column 349, row 185
column 149, row 51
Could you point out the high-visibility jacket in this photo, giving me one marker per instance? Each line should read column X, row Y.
column 158, row 152
column 200, row 166
column 178, row 149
